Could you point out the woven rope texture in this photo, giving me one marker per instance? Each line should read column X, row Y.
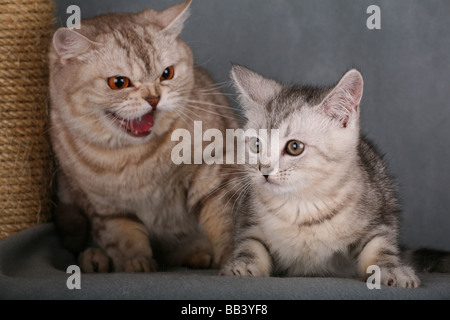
column 26, row 27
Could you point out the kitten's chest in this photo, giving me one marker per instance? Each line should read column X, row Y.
column 302, row 249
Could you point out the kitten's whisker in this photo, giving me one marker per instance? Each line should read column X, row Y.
column 242, row 194
column 221, row 187
column 233, row 181
column 224, row 185
column 238, row 190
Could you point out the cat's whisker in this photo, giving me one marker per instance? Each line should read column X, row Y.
column 206, row 93
column 75, row 123
column 218, row 84
column 181, row 115
column 209, row 104
column 209, row 88
column 204, row 63
column 183, row 112
column 209, row 111
column 77, row 119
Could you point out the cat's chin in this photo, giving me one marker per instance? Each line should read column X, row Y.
column 140, row 127
column 274, row 187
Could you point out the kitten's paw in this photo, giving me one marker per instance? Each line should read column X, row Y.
column 402, row 276
column 94, row 260
column 243, row 269
column 140, row 264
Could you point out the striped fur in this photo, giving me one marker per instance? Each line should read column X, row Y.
column 331, row 211
column 142, row 210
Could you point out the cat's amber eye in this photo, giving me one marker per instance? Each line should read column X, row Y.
column 168, row 74
column 118, row 82
column 255, row 145
column 294, row 148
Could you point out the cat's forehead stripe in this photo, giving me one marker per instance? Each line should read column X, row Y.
column 291, row 99
column 282, row 107
column 138, row 48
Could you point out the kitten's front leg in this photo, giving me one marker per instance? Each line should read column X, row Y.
column 251, row 258
column 381, row 251
column 124, row 240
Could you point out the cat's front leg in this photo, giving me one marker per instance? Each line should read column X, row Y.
column 382, row 252
column 251, row 258
column 124, row 240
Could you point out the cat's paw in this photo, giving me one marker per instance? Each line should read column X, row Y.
column 243, row 269
column 94, row 260
column 140, row 264
column 401, row 276
column 200, row 260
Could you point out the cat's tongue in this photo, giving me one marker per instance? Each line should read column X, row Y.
column 142, row 125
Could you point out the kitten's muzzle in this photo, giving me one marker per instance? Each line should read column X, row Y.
column 153, row 101
column 266, row 171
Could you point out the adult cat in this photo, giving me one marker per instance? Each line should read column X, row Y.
column 119, row 87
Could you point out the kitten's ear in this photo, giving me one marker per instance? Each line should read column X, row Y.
column 70, row 44
column 343, row 101
column 252, row 87
column 172, row 19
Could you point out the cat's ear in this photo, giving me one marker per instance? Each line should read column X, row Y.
column 253, row 88
column 70, row 44
column 172, row 19
column 343, row 101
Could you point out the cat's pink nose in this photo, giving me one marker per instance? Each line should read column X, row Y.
column 153, row 100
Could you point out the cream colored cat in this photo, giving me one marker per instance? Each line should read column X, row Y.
column 119, row 87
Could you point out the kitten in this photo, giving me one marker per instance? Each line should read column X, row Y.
column 326, row 205
column 118, row 89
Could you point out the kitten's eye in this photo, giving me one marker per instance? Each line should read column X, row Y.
column 117, row 83
column 168, row 74
column 294, row 148
column 254, row 145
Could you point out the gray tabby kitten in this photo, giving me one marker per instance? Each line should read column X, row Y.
column 330, row 208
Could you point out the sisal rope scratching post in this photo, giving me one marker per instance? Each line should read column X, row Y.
column 26, row 27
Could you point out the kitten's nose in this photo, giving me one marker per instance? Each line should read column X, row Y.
column 266, row 176
column 153, row 100
column 265, row 170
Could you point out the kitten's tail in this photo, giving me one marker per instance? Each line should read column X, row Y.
column 427, row 260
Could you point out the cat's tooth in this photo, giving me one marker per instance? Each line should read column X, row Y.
column 140, row 118
column 136, row 133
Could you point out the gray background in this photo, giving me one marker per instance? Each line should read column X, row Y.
column 406, row 66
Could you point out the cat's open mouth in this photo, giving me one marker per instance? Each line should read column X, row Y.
column 138, row 127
